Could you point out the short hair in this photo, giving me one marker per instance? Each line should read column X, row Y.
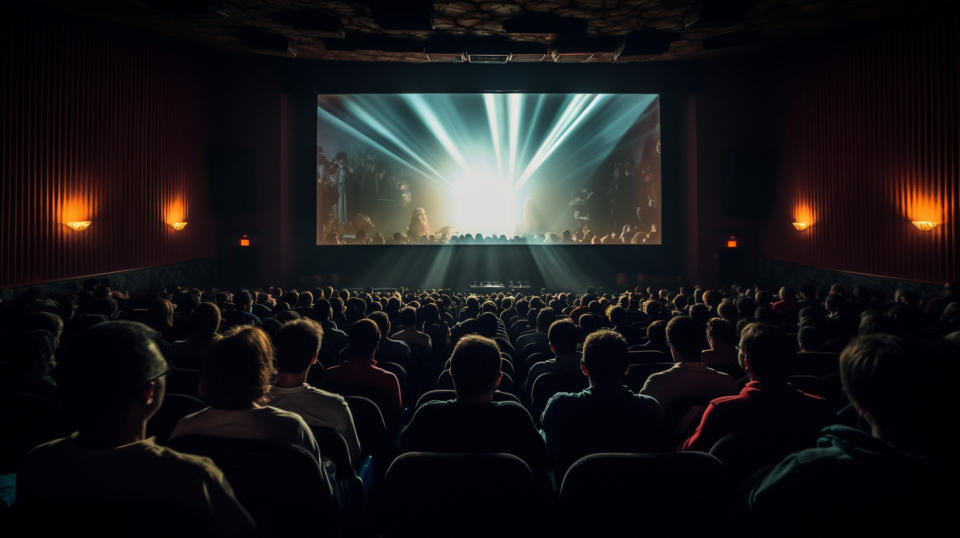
column 110, row 364
column 685, row 334
column 769, row 350
column 45, row 321
column 205, row 319
column 544, row 318
column 237, row 370
column 657, row 332
column 383, row 322
column 297, row 343
column 306, row 299
column 722, row 331
column 364, row 337
column 407, row 316
column 887, row 378
column 322, row 309
column 810, row 338
column 605, row 356
column 487, row 324
column 563, row 335
column 243, row 298
column 589, row 322
column 474, row 365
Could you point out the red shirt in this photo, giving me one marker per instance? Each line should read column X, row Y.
column 361, row 377
column 760, row 409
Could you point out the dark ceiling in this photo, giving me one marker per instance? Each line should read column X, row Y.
column 494, row 32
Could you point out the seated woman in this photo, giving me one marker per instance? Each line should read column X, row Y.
column 235, row 379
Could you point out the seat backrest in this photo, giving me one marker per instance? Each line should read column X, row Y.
column 402, row 377
column 670, row 493
column 175, row 406
column 334, row 447
column 184, row 381
column 646, row 356
column 433, row 494
column 638, row 373
column 817, row 364
column 550, row 383
column 439, row 395
column 809, row 384
column 369, row 423
column 276, row 482
column 744, row 454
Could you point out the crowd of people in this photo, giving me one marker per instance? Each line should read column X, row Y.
column 825, row 406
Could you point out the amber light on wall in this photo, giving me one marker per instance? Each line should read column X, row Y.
column 178, row 225
column 802, row 216
column 176, row 214
column 925, row 225
column 801, row 225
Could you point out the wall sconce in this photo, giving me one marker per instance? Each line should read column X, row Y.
column 925, row 225
column 801, row 226
column 78, row 225
column 178, row 225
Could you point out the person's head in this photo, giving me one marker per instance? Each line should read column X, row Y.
column 429, row 314
column 305, row 300
column 563, row 336
column 383, row 323
column 113, row 376
column 545, row 317
column 712, row 299
column 657, row 333
column 364, row 338
column 105, row 306
column 684, row 336
column 787, row 293
column 204, row 321
column 810, row 338
column 244, row 301
column 297, row 343
column 475, row 367
column 487, row 324
column 161, row 314
column 889, row 383
column 408, row 317
column 322, row 309
column 721, row 332
column 728, row 311
column 356, row 309
column 617, row 315
column 28, row 357
column 45, row 321
column 237, row 370
column 765, row 352
column 605, row 358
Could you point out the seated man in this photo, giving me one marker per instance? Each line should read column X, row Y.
column 390, row 350
column 410, row 333
column 298, row 344
column 235, row 380
column 882, row 482
column 722, row 355
column 473, row 422
column 204, row 322
column 686, row 388
column 606, row 417
column 562, row 335
column 768, row 406
column 360, row 376
column 334, row 340
column 112, row 383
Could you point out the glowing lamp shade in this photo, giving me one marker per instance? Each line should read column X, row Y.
column 178, row 225
column 801, row 226
column 244, row 241
column 78, row 225
column 925, row 225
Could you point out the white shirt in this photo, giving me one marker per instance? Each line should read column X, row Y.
column 257, row 423
column 319, row 408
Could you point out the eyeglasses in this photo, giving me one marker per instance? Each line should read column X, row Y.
column 158, row 376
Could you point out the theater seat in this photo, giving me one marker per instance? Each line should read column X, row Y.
column 281, row 485
column 548, row 384
column 450, row 394
column 430, row 494
column 175, row 406
column 638, row 373
column 615, row 494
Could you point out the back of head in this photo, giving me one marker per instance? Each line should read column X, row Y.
column 237, row 370
column 27, row 358
column 364, row 337
column 305, row 300
column 205, row 320
column 721, row 332
column 297, row 343
column 108, row 368
column 605, row 357
column 408, row 317
column 589, row 323
column 487, row 324
column 657, row 332
column 44, row 321
column 474, row 366
column 322, row 309
column 728, row 311
column 892, row 382
column 563, row 336
column 685, row 334
column 545, row 317
column 768, row 350
column 810, row 338
column 383, row 322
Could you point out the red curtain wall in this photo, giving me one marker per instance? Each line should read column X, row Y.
column 99, row 129
column 869, row 143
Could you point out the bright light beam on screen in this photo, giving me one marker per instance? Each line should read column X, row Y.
column 427, row 116
column 490, row 105
column 514, row 103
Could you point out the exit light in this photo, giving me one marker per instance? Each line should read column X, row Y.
column 732, row 242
